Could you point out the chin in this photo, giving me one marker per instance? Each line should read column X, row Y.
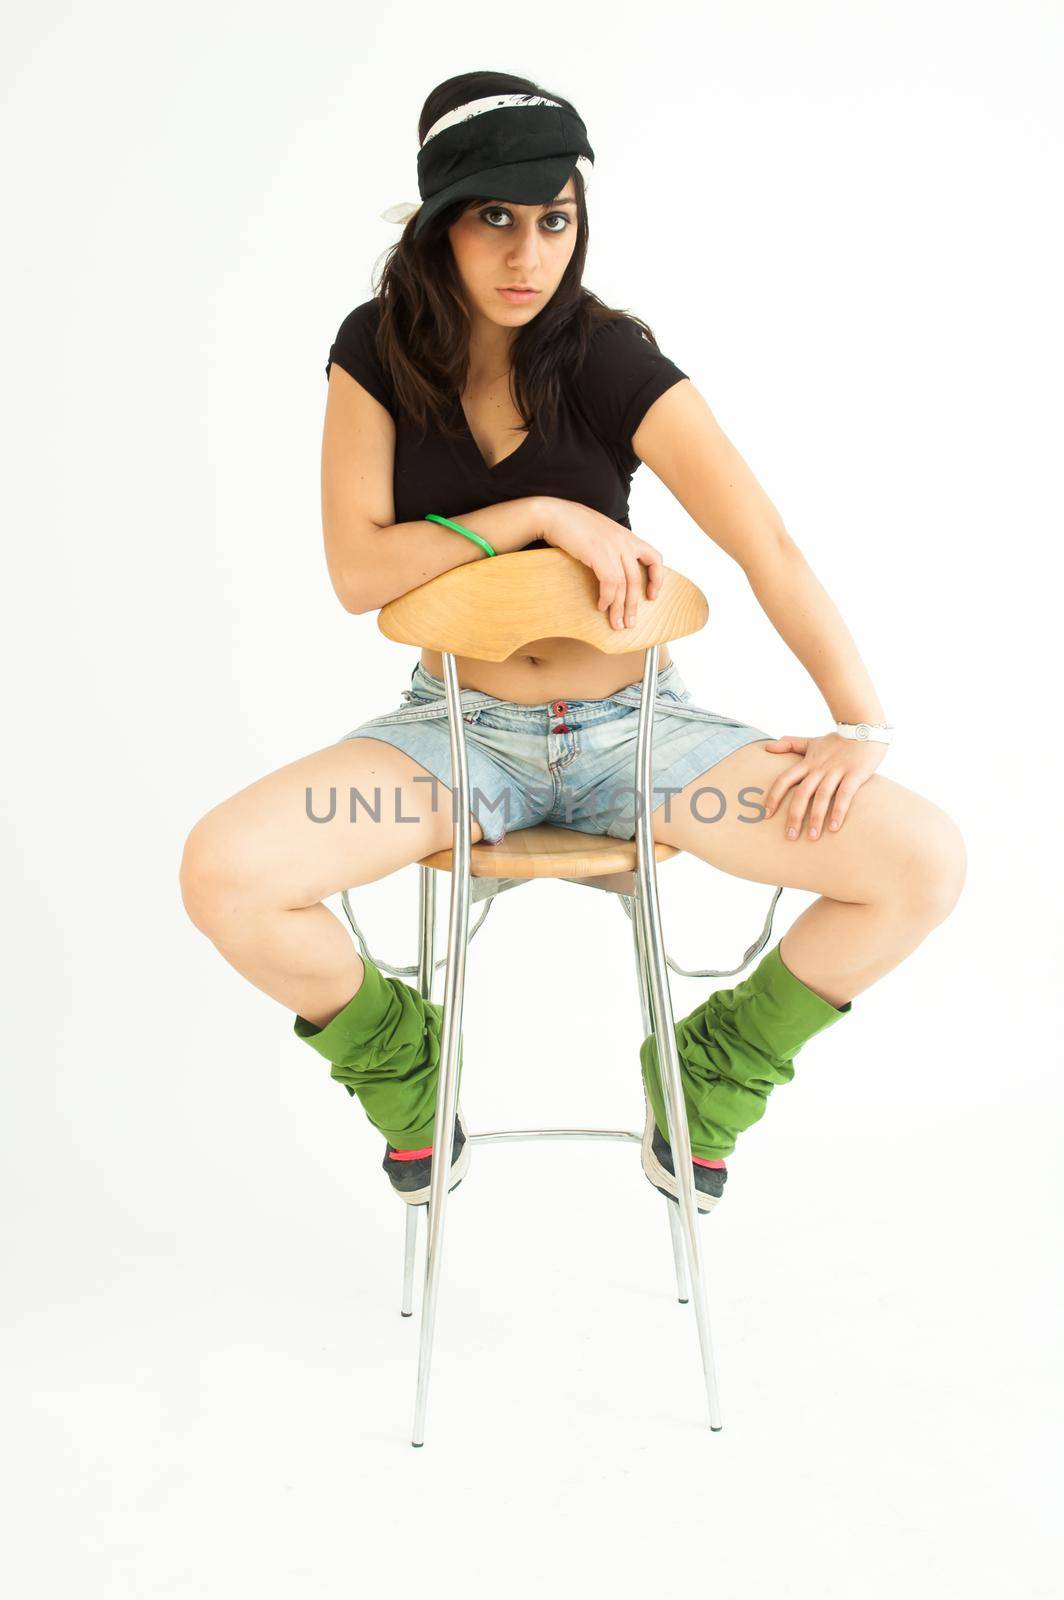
column 495, row 309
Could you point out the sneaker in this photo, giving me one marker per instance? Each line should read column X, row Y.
column 410, row 1172
column 657, row 1164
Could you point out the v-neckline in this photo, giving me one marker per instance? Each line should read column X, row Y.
column 522, row 448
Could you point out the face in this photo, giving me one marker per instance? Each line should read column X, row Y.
column 497, row 243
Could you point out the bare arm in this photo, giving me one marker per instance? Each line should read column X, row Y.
column 371, row 557
column 807, row 619
column 682, row 443
column 405, row 555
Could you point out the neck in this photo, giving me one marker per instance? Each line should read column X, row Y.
column 489, row 351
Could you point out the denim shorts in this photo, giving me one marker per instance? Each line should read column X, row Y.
column 522, row 772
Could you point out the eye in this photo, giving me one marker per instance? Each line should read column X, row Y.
column 502, row 211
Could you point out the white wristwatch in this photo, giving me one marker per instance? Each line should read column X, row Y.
column 873, row 732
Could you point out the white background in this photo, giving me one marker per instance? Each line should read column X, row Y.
column 841, row 220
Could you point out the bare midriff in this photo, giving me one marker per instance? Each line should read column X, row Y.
column 549, row 669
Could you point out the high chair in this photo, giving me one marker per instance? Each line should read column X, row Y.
column 486, row 610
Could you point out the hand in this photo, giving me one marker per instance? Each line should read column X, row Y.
column 612, row 551
column 831, row 768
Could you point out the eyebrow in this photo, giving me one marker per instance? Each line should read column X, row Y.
column 548, row 205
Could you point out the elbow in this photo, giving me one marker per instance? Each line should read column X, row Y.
column 350, row 559
column 351, row 595
column 775, row 547
column 355, row 601
column 351, row 589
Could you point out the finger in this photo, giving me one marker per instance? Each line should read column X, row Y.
column 839, row 810
column 778, row 788
column 634, row 575
column 620, row 597
column 608, row 586
column 799, row 802
column 788, row 742
column 617, row 608
column 785, row 781
column 651, row 559
column 821, row 801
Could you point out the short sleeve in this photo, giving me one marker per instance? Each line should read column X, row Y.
column 622, row 375
column 354, row 349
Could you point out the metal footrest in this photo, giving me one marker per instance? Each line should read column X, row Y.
column 502, row 1134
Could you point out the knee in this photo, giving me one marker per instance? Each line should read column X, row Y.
column 209, row 874
column 935, row 866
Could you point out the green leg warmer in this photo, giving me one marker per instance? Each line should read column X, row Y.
column 734, row 1049
column 384, row 1047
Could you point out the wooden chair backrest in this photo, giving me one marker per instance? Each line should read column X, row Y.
column 487, row 609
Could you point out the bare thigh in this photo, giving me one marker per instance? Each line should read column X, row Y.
column 892, row 841
column 346, row 815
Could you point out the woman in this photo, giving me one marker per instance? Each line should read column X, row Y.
column 485, row 386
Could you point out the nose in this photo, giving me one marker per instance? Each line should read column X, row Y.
column 524, row 245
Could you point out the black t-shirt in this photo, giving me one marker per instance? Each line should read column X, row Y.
column 588, row 458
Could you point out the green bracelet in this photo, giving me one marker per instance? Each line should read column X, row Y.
column 430, row 516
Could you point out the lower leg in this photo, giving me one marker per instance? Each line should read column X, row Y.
column 302, row 957
column 385, row 1045
column 740, row 1043
column 838, row 948
column 734, row 1049
column 380, row 1036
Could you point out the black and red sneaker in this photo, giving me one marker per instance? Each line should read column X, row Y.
column 658, row 1165
column 410, row 1171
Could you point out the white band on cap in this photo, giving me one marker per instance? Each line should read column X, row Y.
column 476, row 108
column 401, row 211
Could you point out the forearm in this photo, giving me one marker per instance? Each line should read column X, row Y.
column 805, row 617
column 408, row 554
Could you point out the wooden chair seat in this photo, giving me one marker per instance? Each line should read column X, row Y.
column 548, row 852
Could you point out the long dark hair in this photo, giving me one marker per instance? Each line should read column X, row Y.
column 423, row 331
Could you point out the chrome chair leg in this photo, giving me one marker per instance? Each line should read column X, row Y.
column 450, row 1039
column 426, row 931
column 677, row 1252
column 647, row 909
column 648, row 1027
column 426, row 966
column 409, row 1249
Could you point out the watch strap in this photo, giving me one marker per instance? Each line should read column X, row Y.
column 866, row 732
